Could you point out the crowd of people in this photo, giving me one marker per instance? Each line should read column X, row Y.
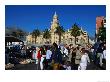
column 60, row 57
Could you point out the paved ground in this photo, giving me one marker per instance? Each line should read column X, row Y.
column 25, row 67
column 91, row 66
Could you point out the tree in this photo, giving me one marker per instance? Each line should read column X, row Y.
column 75, row 31
column 59, row 31
column 7, row 31
column 20, row 33
column 16, row 32
column 102, row 33
column 46, row 34
column 35, row 34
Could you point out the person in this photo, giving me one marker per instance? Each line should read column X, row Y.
column 6, row 55
column 65, row 51
column 100, row 54
column 68, row 66
column 104, row 57
column 42, row 58
column 77, row 58
column 48, row 55
column 34, row 55
column 104, row 53
column 39, row 58
column 95, row 47
column 65, row 54
column 70, row 54
column 28, row 54
column 92, row 54
column 84, row 60
column 73, row 53
column 56, row 55
column 23, row 52
column 59, row 55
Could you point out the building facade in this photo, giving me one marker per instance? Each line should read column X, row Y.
column 66, row 38
column 100, row 20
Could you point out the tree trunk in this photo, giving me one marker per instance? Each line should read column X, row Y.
column 35, row 40
column 46, row 41
column 75, row 40
column 59, row 39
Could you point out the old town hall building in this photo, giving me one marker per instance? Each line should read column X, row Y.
column 66, row 38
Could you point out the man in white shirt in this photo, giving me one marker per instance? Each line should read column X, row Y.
column 84, row 60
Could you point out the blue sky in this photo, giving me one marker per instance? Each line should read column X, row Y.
column 30, row 17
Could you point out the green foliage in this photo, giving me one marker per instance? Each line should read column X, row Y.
column 46, row 34
column 16, row 32
column 75, row 31
column 59, row 31
column 102, row 34
column 35, row 34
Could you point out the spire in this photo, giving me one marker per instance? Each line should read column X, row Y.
column 54, row 23
column 55, row 18
column 55, row 14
